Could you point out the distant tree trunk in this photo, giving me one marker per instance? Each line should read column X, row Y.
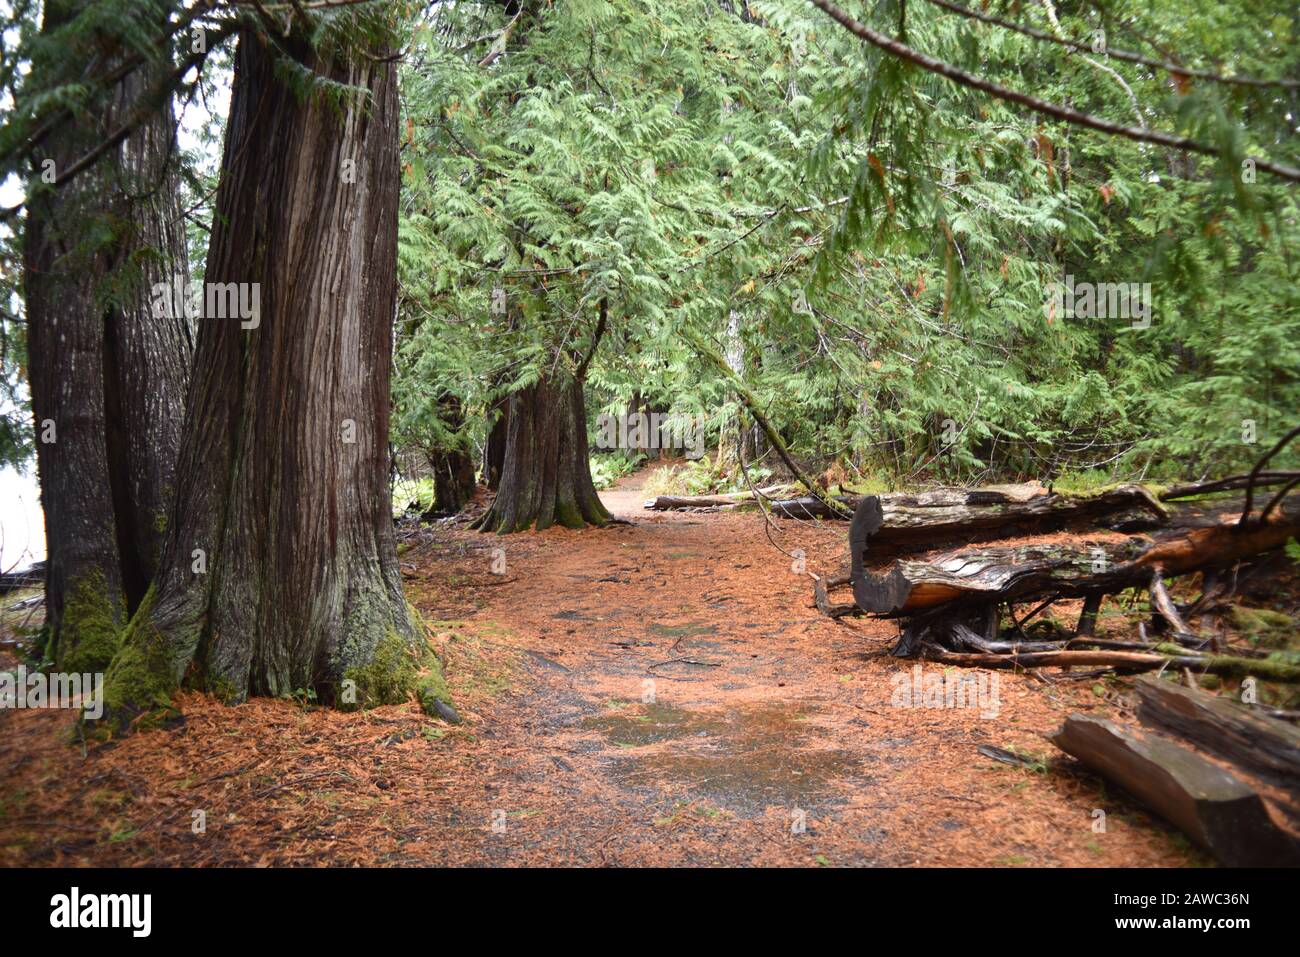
column 280, row 569
column 108, row 375
column 453, row 468
column 547, row 474
column 453, row 482
column 739, row 440
column 494, row 450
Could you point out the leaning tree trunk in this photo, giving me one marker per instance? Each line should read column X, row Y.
column 546, row 478
column 108, row 373
column 280, row 570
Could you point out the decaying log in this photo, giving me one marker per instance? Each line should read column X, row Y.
column 949, row 502
column 1216, row 809
column 668, row 503
column 1264, row 745
column 951, row 516
column 1228, row 666
column 809, row 507
column 1074, row 569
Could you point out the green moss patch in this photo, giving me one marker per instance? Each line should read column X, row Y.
column 91, row 629
column 1269, row 629
column 139, row 685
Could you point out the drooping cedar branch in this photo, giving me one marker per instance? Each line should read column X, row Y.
column 1111, row 52
column 123, row 69
column 1065, row 113
column 1229, row 484
column 147, row 107
column 1255, row 473
column 596, row 336
column 747, row 397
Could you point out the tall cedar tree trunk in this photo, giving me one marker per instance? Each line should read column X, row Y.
column 546, row 476
column 108, row 376
column 280, row 571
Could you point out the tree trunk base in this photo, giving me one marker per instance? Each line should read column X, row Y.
column 546, row 479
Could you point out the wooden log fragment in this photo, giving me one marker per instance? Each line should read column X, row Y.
column 1235, row 732
column 1216, row 809
column 821, row 597
column 1087, row 625
column 1070, row 569
column 809, row 507
column 668, row 503
column 953, row 516
column 1224, row 665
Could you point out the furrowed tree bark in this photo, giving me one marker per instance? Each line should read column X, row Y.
column 453, row 482
column 108, row 373
column 280, row 571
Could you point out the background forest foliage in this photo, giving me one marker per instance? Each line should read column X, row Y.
column 871, row 247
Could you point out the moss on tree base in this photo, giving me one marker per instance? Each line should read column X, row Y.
column 144, row 677
column 90, row 629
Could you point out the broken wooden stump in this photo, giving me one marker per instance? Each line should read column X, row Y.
column 821, row 597
column 1215, row 808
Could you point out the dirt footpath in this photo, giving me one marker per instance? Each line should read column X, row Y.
column 661, row 693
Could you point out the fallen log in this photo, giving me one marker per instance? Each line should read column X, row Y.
column 809, row 507
column 665, row 503
column 993, row 496
column 1216, row 809
column 31, row 577
column 1102, row 565
column 1267, row 746
column 949, row 516
column 668, row 503
column 1227, row 666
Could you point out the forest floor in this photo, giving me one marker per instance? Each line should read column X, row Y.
column 660, row 693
